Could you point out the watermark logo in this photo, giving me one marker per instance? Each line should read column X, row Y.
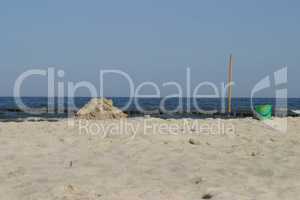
column 188, row 96
column 281, row 99
column 61, row 95
column 151, row 126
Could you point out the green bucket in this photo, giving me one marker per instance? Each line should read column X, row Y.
column 264, row 111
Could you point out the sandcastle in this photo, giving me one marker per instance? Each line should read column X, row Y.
column 98, row 109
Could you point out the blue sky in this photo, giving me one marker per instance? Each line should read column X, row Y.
column 149, row 40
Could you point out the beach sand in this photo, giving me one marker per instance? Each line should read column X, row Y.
column 135, row 159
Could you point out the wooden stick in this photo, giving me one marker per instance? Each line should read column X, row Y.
column 229, row 92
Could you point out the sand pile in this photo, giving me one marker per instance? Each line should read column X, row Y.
column 100, row 109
